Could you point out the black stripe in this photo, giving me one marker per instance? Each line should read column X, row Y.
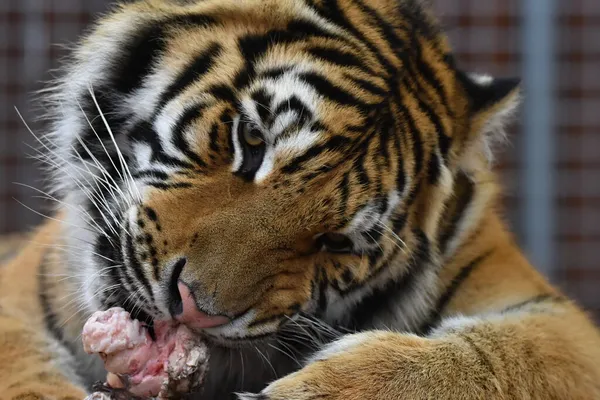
column 337, row 57
column 443, row 139
column 137, row 58
column 374, row 255
column 412, row 195
column 337, row 15
column 416, row 68
column 428, row 74
column 97, row 140
column 140, row 51
column 335, row 143
column 444, row 142
column 144, row 132
column 368, row 86
column 381, row 300
column 383, row 132
column 107, row 101
column 322, row 297
column 463, row 196
column 301, row 29
column 51, row 321
column 294, row 104
column 275, row 73
column 121, row 297
column 137, row 267
column 398, row 223
column 388, row 31
column 252, row 47
column 332, row 92
column 104, row 247
column 169, row 186
column 150, row 173
column 263, row 105
column 175, row 301
column 222, row 92
column 150, row 213
column 372, row 235
column 196, row 69
column 213, row 136
column 400, row 175
column 418, row 91
column 484, row 360
column 189, row 116
column 434, row 168
column 425, row 71
column 464, row 273
column 415, row 134
column 535, row 300
column 382, row 202
column 358, row 166
column 344, row 190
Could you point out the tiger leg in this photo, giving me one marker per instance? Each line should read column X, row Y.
column 517, row 354
column 31, row 366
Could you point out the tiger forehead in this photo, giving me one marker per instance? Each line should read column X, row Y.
column 314, row 89
column 247, row 14
column 296, row 94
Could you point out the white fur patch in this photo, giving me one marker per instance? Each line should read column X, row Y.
column 345, row 344
column 371, row 218
column 249, row 396
column 453, row 324
column 238, row 157
column 494, row 129
column 482, row 79
column 267, row 165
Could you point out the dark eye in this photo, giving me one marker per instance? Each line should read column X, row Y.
column 335, row 242
column 252, row 136
column 253, row 150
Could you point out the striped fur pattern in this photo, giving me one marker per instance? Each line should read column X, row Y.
column 318, row 171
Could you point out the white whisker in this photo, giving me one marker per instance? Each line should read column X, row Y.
column 120, row 155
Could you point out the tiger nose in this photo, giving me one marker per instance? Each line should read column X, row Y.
column 193, row 317
column 182, row 304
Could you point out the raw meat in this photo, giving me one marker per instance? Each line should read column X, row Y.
column 173, row 364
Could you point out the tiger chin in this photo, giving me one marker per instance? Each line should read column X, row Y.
column 314, row 177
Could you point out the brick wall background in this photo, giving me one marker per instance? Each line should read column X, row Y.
column 486, row 35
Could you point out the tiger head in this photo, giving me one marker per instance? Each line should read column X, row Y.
column 236, row 164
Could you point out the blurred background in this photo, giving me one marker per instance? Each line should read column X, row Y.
column 551, row 168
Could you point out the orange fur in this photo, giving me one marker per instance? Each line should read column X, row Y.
column 485, row 324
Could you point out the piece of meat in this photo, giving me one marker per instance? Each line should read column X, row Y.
column 173, row 364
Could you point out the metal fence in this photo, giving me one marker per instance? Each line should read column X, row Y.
column 488, row 36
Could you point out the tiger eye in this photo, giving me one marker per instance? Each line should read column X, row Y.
column 253, row 137
column 336, row 242
column 337, row 238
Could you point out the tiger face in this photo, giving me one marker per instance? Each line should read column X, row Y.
column 237, row 164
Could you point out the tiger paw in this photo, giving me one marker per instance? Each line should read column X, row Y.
column 364, row 366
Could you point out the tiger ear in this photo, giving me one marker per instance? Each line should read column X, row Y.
column 492, row 103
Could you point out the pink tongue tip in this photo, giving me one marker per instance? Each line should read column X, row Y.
column 193, row 317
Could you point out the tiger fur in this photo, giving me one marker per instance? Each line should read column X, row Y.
column 317, row 171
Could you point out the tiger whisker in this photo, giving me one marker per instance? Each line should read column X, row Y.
column 120, row 155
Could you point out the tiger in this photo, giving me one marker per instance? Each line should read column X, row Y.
column 318, row 177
